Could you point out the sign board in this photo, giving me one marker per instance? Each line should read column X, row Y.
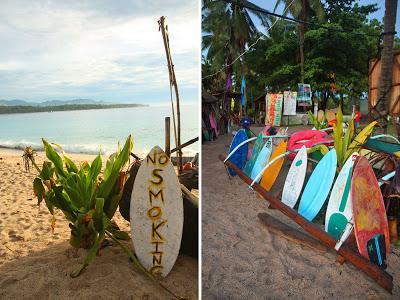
column 289, row 103
column 157, row 213
column 304, row 94
column 274, row 109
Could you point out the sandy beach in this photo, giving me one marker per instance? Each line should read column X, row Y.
column 243, row 260
column 35, row 263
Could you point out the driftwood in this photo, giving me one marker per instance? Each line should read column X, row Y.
column 384, row 279
column 288, row 232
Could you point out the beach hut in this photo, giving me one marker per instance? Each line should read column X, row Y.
column 373, row 82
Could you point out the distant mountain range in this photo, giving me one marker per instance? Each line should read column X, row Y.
column 18, row 102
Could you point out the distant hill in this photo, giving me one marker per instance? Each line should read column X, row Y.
column 18, row 102
column 13, row 102
column 20, row 109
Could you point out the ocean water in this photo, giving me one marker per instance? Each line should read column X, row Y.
column 91, row 131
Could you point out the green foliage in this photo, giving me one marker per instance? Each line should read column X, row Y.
column 317, row 124
column 345, row 140
column 227, row 29
column 86, row 200
column 331, row 58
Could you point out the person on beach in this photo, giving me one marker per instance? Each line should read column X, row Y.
column 357, row 117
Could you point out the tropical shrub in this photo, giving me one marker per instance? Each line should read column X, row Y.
column 345, row 140
column 87, row 200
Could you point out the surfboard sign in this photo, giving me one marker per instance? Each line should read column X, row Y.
column 156, row 213
column 295, row 178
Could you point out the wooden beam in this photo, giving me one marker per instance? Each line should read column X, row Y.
column 288, row 232
column 185, row 144
column 384, row 279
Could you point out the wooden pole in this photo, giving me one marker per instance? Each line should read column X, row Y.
column 185, row 144
column 384, row 279
column 167, row 136
column 173, row 83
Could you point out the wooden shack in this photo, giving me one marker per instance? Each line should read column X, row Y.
column 373, row 83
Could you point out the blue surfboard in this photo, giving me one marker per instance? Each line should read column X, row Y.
column 254, row 154
column 240, row 155
column 318, row 186
column 262, row 159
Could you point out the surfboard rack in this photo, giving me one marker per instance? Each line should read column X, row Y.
column 383, row 278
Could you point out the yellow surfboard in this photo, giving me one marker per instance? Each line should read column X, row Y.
column 272, row 172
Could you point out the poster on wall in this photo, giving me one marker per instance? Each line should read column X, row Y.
column 274, row 109
column 289, row 103
column 304, row 95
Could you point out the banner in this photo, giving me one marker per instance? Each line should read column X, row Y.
column 289, row 103
column 304, row 94
column 274, row 109
column 242, row 91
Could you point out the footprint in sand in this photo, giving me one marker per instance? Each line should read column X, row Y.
column 14, row 236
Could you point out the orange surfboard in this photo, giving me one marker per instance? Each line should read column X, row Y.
column 369, row 214
column 270, row 174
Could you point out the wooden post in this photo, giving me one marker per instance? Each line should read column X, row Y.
column 384, row 279
column 167, row 136
column 172, row 80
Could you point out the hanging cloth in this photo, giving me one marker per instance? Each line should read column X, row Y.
column 228, row 82
column 242, row 90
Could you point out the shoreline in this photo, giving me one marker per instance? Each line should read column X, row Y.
column 16, row 151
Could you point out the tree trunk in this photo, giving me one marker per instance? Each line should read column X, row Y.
column 301, row 38
column 385, row 80
column 301, row 33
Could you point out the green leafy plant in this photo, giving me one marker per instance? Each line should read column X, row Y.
column 318, row 124
column 345, row 140
column 88, row 201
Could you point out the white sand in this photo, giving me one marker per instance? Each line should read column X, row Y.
column 35, row 263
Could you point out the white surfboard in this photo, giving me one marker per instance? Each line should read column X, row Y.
column 156, row 213
column 295, row 178
column 339, row 211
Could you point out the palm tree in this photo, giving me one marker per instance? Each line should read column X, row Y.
column 227, row 28
column 385, row 80
column 302, row 10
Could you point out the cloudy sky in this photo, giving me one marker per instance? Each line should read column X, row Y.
column 98, row 49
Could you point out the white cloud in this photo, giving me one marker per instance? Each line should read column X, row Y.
column 52, row 48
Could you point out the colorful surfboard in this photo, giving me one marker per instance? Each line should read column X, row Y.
column 156, row 213
column 339, row 212
column 295, row 178
column 262, row 159
column 270, row 175
column 254, row 154
column 240, row 155
column 318, row 186
column 369, row 214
